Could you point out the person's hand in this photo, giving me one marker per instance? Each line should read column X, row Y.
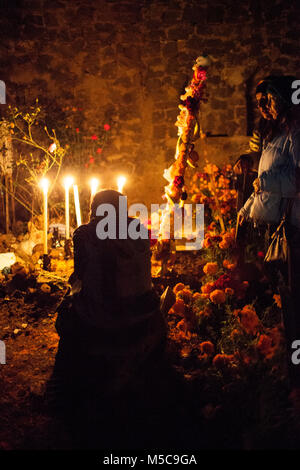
column 256, row 185
column 241, row 219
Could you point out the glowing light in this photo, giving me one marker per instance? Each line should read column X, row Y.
column 52, row 147
column 121, row 182
column 77, row 205
column 94, row 184
column 68, row 181
column 44, row 184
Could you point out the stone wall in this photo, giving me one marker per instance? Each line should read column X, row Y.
column 127, row 62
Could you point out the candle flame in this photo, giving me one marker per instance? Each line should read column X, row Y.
column 94, row 183
column 44, row 184
column 121, row 181
column 68, row 181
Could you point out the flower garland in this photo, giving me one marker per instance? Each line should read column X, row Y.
column 188, row 132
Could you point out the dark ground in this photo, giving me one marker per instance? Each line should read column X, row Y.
column 168, row 405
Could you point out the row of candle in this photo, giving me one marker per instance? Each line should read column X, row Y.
column 68, row 182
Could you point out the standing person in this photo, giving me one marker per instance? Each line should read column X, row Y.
column 246, row 167
column 278, row 181
column 112, row 323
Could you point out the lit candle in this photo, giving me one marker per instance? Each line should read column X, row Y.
column 121, row 181
column 44, row 184
column 94, row 183
column 68, row 181
column 77, row 205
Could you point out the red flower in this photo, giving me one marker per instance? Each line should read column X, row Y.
column 86, row 165
column 77, row 130
column 106, row 127
column 99, row 150
column 92, row 160
column 261, row 254
column 94, row 137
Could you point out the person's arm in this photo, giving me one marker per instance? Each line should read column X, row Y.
column 80, row 255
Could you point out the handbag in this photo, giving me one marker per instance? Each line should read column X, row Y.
column 278, row 250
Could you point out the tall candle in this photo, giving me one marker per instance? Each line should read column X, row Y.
column 44, row 183
column 77, row 205
column 68, row 181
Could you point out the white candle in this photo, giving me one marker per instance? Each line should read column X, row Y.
column 68, row 181
column 121, row 181
column 44, row 184
column 77, row 205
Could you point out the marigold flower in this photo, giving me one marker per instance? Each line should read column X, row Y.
column 185, row 294
column 205, row 296
column 229, row 291
column 210, row 268
column 178, row 307
column 265, row 346
column 222, row 360
column 249, row 320
column 218, row 296
column 197, row 296
column 207, row 288
column 224, row 245
column 234, row 333
column 277, row 299
column 178, row 287
column 207, row 347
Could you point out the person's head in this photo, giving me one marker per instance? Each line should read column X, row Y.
column 279, row 111
column 106, row 196
column 279, row 95
column 262, row 96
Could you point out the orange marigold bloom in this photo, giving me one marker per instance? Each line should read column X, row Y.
column 229, row 291
column 207, row 288
column 197, row 296
column 178, row 307
column 207, row 347
column 185, row 294
column 234, row 333
column 222, row 360
column 277, row 299
column 205, row 296
column 224, row 245
column 249, row 320
column 218, row 296
column 210, row 268
column 178, row 287
column 265, row 346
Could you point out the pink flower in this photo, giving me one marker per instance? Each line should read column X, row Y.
column 106, row 127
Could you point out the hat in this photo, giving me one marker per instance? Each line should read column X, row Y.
column 263, row 84
column 282, row 88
